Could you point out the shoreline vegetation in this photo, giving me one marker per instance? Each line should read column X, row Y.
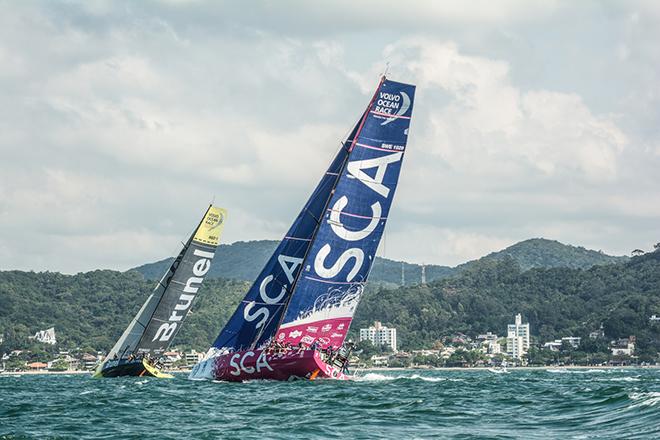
column 360, row 370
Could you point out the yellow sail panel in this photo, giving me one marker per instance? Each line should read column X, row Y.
column 211, row 227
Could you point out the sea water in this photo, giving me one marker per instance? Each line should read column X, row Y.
column 526, row 404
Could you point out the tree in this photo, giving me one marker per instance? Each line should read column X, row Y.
column 59, row 365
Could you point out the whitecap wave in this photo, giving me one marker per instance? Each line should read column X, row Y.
column 575, row 371
column 650, row 398
column 377, row 377
column 623, row 379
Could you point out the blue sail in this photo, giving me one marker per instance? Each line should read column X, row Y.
column 259, row 313
column 338, row 262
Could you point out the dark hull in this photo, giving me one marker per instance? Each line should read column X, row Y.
column 136, row 368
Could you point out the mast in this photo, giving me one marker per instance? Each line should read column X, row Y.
column 355, row 135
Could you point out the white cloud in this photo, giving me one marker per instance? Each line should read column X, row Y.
column 451, row 246
column 120, row 121
column 489, row 121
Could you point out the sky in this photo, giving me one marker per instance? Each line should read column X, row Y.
column 121, row 121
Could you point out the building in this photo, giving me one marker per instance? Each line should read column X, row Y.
column 379, row 335
column 573, row 341
column 623, row 347
column 487, row 337
column 45, row 336
column 380, row 361
column 597, row 334
column 653, row 318
column 37, row 366
column 553, row 345
column 71, row 362
column 170, row 357
column 89, row 361
column 491, row 346
column 192, row 357
column 557, row 344
column 517, row 339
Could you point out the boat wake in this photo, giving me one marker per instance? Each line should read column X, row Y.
column 377, row 377
column 572, row 371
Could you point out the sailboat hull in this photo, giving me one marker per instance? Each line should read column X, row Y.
column 137, row 368
column 259, row 364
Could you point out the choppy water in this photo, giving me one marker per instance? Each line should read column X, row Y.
column 401, row 404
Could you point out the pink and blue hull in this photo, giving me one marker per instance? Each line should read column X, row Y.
column 259, row 364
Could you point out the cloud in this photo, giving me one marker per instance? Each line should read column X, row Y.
column 487, row 120
column 121, row 121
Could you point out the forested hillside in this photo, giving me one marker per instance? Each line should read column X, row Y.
column 540, row 252
column 557, row 302
column 92, row 309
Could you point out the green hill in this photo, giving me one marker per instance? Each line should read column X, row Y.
column 540, row 252
column 92, row 309
column 244, row 260
column 556, row 302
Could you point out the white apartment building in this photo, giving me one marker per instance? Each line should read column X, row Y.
column 517, row 339
column 379, row 335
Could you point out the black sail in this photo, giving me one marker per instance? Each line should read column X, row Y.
column 161, row 316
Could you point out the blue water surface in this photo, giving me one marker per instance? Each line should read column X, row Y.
column 471, row 404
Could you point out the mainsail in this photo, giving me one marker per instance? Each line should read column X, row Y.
column 161, row 316
column 310, row 286
column 339, row 259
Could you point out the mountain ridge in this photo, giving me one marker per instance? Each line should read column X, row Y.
column 243, row 260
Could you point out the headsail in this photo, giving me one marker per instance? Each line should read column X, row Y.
column 337, row 265
column 257, row 316
column 161, row 316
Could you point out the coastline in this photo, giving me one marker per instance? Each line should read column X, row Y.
column 548, row 367
column 543, row 367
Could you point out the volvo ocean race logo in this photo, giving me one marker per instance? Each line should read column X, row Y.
column 391, row 104
column 218, row 219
